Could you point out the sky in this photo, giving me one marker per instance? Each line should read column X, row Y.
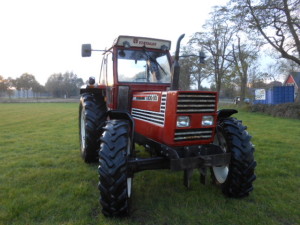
column 43, row 37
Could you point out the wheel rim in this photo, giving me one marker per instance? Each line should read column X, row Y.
column 129, row 179
column 82, row 130
column 129, row 186
column 221, row 172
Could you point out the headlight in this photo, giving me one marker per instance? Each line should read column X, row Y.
column 183, row 121
column 207, row 120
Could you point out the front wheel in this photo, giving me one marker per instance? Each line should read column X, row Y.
column 236, row 178
column 115, row 183
column 92, row 115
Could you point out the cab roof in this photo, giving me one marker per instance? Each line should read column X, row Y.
column 132, row 41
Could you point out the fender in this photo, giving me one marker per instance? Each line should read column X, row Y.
column 93, row 88
column 225, row 113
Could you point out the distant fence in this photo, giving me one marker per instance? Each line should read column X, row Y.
column 38, row 100
column 226, row 101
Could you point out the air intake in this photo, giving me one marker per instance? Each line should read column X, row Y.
column 196, row 102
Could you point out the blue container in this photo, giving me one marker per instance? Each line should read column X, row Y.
column 278, row 95
column 282, row 94
column 259, row 102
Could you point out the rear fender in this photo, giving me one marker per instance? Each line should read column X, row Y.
column 95, row 89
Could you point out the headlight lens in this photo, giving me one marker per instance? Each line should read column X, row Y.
column 183, row 121
column 207, row 120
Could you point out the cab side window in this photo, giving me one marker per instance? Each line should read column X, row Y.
column 106, row 71
column 109, row 69
column 102, row 78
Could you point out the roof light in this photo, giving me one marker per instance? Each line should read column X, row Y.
column 126, row 44
column 164, row 48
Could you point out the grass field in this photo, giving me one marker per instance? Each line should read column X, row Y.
column 43, row 180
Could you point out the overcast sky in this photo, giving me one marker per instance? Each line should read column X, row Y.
column 42, row 37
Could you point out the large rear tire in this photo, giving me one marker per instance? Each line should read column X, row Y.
column 236, row 178
column 115, row 183
column 92, row 115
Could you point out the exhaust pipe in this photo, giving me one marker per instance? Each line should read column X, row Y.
column 176, row 66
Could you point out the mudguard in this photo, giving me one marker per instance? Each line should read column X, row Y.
column 225, row 113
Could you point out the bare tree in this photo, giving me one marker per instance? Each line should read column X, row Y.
column 277, row 21
column 287, row 66
column 256, row 77
column 186, row 68
column 199, row 75
column 243, row 56
column 216, row 41
column 192, row 70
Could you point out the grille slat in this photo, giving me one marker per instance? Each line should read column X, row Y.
column 199, row 100
column 197, row 95
column 196, row 102
column 193, row 106
column 163, row 102
column 193, row 134
column 195, row 111
column 150, row 116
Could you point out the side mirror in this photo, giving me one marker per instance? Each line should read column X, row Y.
column 202, row 57
column 86, row 50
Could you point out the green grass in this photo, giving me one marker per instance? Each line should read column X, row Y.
column 43, row 180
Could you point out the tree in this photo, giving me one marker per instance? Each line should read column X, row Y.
column 186, row 68
column 11, row 86
column 230, row 86
column 199, row 74
column 71, row 84
column 54, row 85
column 37, row 88
column 243, row 56
column 196, row 70
column 26, row 82
column 64, row 85
column 287, row 66
column 3, row 86
column 277, row 21
column 216, row 40
column 272, row 71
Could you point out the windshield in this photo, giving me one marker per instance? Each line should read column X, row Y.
column 143, row 66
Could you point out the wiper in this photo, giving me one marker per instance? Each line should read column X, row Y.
column 154, row 61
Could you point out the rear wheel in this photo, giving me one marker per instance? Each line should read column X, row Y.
column 92, row 115
column 115, row 183
column 236, row 178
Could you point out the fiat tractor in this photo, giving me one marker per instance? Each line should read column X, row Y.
column 137, row 102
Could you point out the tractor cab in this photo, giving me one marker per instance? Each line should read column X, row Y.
column 142, row 61
column 132, row 64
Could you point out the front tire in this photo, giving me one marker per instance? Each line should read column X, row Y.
column 92, row 115
column 115, row 183
column 236, row 178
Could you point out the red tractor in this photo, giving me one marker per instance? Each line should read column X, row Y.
column 137, row 101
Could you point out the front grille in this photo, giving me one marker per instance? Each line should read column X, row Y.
column 196, row 102
column 193, row 134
